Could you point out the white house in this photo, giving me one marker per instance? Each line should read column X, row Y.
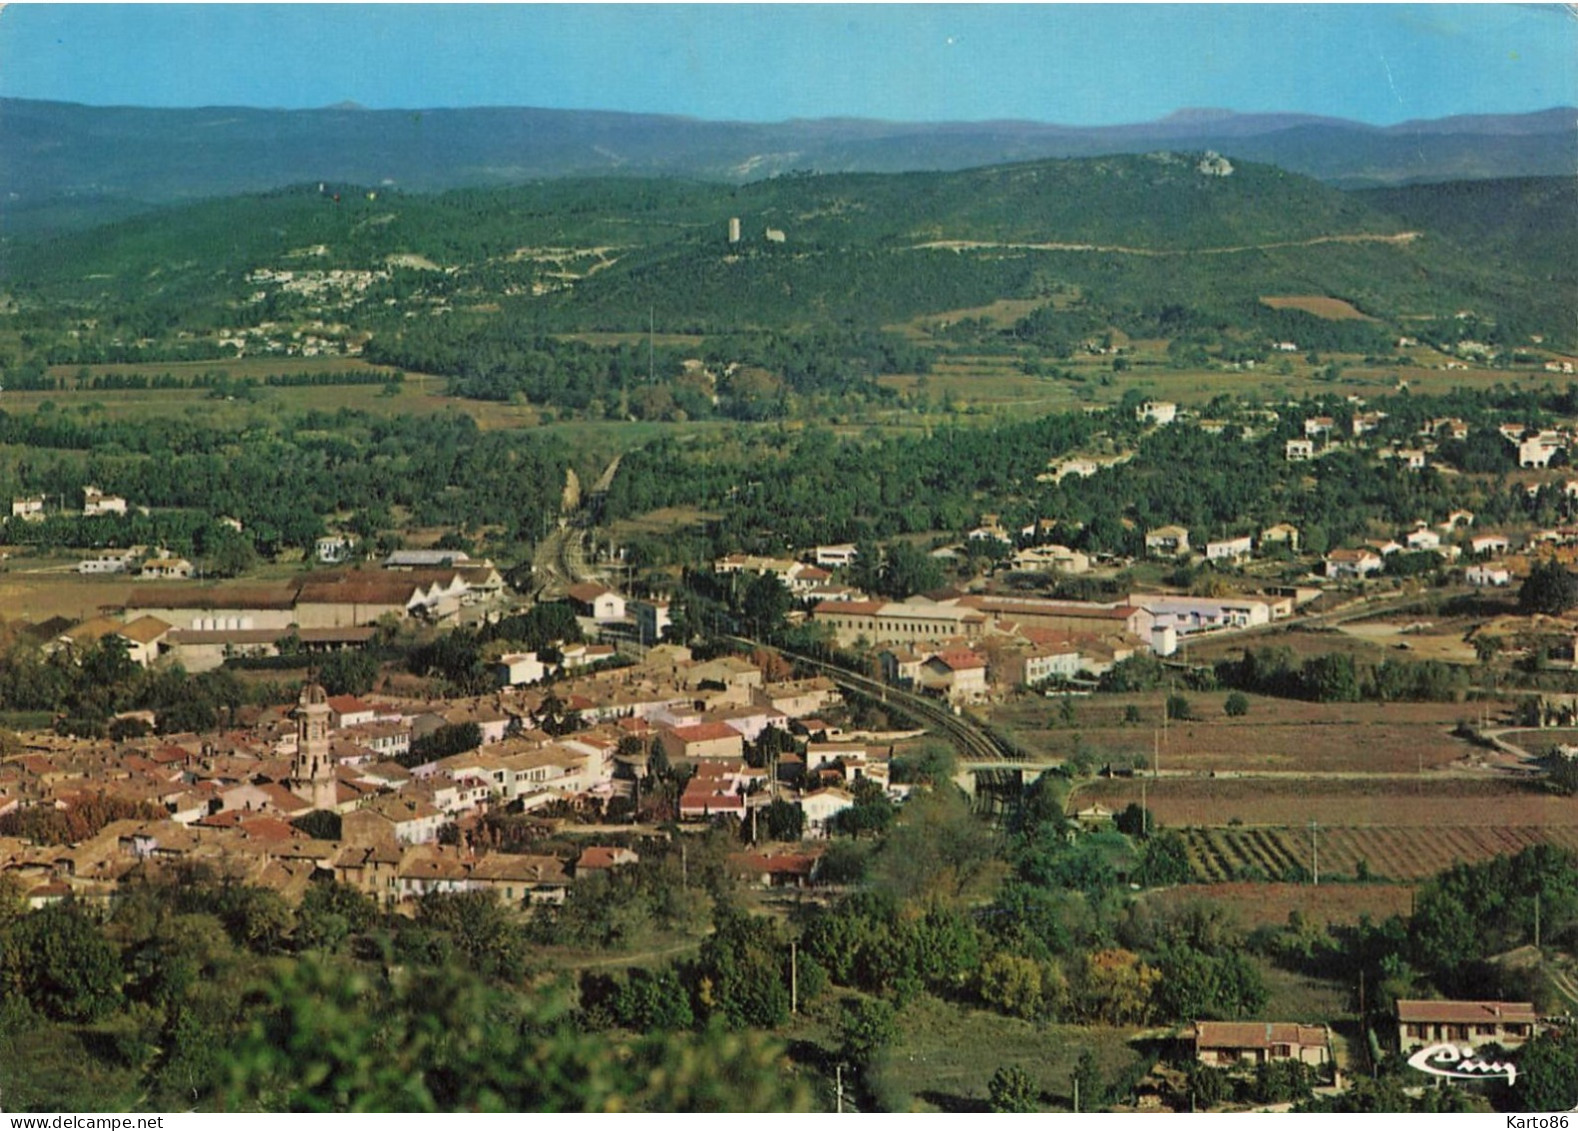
column 1318, row 426
column 332, row 548
column 1489, row 544
column 1156, row 412
column 515, row 669
column 109, row 561
column 1229, row 549
column 599, row 602
column 958, row 675
column 1165, row 540
column 1353, row 563
column 96, row 502
column 1423, row 539
column 166, row 568
column 29, row 509
column 821, row 806
column 1537, row 450
column 1297, row 451
column 1283, row 532
column 652, row 618
column 832, row 557
column 1494, row 576
column 1060, row 558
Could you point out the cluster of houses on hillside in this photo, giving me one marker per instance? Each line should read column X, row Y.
column 34, row 508
column 1418, row 1024
column 230, row 798
column 959, row 646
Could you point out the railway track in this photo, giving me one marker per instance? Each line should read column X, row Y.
column 975, row 742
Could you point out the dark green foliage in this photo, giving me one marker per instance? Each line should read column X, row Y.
column 1331, row 678
column 742, row 973
column 1236, row 705
column 59, row 962
column 1471, row 911
column 764, row 605
column 488, row 938
column 322, row 824
column 1010, row 1090
column 451, row 738
column 907, row 570
column 785, row 820
column 348, row 672
column 1164, row 860
column 552, row 622
column 321, row 1040
column 932, row 764
column 1282, row 1081
column 1178, row 708
column 1088, row 1084
column 652, row 1001
column 871, row 813
column 330, row 913
column 1547, row 1075
column 1387, row 1095
column 1207, row 1087
column 1550, row 588
column 1196, row 985
column 866, row 1027
column 1141, row 672
column 1135, row 821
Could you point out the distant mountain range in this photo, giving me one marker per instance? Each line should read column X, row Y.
column 64, row 165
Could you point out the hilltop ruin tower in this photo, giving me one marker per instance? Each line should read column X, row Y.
column 312, row 770
column 734, row 229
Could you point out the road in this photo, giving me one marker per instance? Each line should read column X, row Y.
column 1118, row 249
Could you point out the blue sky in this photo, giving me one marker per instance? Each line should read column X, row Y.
column 1074, row 64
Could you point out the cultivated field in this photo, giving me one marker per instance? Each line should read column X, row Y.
column 664, row 520
column 1432, row 801
column 1254, row 905
column 1422, row 639
column 1276, row 736
column 1395, row 854
column 1335, row 309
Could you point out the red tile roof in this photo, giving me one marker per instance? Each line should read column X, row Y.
column 1466, row 1012
column 705, row 732
column 1256, row 1034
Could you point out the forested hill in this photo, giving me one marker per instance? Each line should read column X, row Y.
column 69, row 164
column 1124, row 234
column 1530, row 223
column 1160, row 202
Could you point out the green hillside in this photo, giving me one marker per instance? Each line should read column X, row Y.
column 1527, row 224
column 1160, row 245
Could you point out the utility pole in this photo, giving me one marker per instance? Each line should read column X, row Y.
column 838, row 1086
column 1076, row 1095
column 794, row 976
column 1536, row 920
column 1314, row 857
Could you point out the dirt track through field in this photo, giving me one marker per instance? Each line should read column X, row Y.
column 1398, row 239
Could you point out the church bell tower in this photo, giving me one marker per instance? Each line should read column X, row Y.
column 312, row 771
